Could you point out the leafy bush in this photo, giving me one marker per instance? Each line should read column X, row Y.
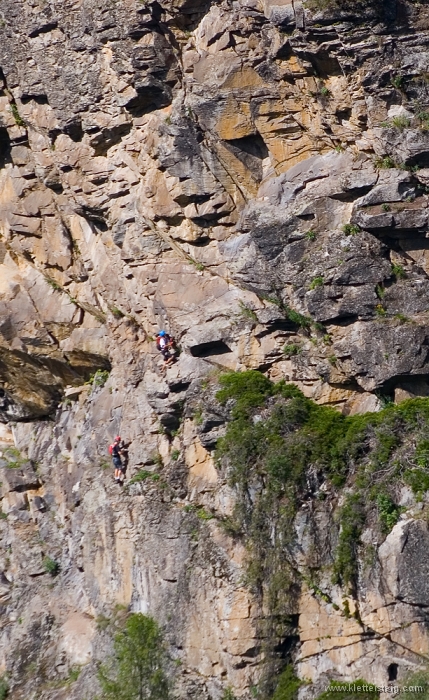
column 100, row 377
column 348, row 691
column 298, row 318
column 228, row 695
column 401, row 122
column 142, row 475
column 350, row 229
column 248, row 312
column 4, row 688
column 292, row 349
column 398, row 272
column 287, row 686
column 316, row 282
column 388, row 512
column 384, row 162
column 354, row 6
column 276, row 437
column 51, row 566
column 137, row 669
column 417, row 685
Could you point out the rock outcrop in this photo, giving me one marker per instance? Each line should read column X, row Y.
column 253, row 177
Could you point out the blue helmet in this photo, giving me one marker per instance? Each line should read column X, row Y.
column 161, row 334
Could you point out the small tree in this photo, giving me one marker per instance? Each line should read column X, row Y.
column 136, row 672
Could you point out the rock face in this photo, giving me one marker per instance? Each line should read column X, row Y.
column 253, row 177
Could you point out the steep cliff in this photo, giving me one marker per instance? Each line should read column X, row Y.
column 252, row 176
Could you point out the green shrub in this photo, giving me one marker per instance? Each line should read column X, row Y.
column 397, row 81
column 384, row 162
column 355, row 6
column 350, row 229
column 175, row 455
column 401, row 123
column 416, row 685
column 348, row 691
column 142, row 475
column 99, row 378
column 51, row 566
column 270, row 458
column 228, row 695
column 52, row 283
column 388, row 512
column 4, row 688
column 398, row 272
column 291, row 350
column 203, row 514
column 16, row 115
column 299, row 319
column 137, row 669
column 316, row 282
column 287, row 685
column 311, row 235
column 117, row 313
column 248, row 312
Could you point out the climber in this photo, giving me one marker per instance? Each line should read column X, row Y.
column 116, row 451
column 166, row 345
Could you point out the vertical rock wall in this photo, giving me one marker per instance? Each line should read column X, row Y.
column 252, row 177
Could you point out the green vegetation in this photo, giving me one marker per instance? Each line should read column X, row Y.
column 384, row 162
column 348, row 691
column 102, row 622
column 117, row 313
column 354, row 6
column 247, row 312
column 99, row 378
column 400, row 122
column 198, row 416
column 51, row 566
column 16, row 115
column 398, row 272
column 4, row 688
column 287, row 686
column 424, row 120
column 316, row 282
column 74, row 674
column 271, row 457
column 137, row 669
column 388, row 512
column 142, row 475
column 419, row 681
column 299, row 319
column 386, row 207
column 52, row 283
column 350, row 229
column 311, row 235
column 14, row 458
column 397, row 81
column 291, row 350
column 175, row 454
column 380, row 291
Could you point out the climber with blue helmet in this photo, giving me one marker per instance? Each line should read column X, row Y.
column 165, row 344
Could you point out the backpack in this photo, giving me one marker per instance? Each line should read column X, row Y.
column 158, row 341
column 111, row 449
